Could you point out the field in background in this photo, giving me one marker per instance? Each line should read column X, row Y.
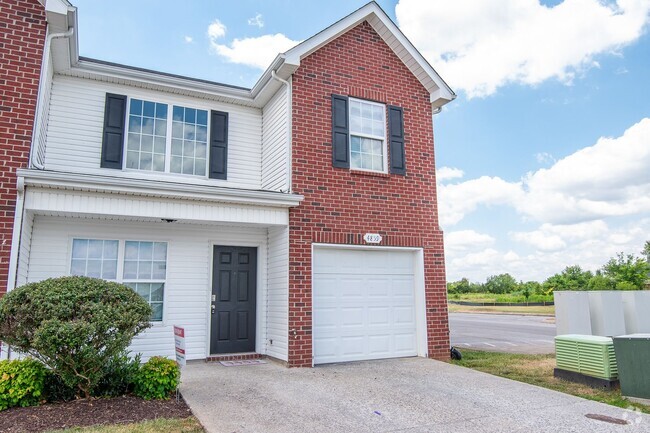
column 547, row 310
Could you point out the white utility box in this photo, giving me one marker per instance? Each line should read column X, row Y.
column 636, row 305
column 572, row 313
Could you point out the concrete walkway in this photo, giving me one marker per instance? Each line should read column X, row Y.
column 403, row 395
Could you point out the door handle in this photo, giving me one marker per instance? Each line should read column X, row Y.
column 213, row 308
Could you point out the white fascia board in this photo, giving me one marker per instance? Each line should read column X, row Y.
column 443, row 92
column 61, row 16
column 59, row 7
column 307, row 47
column 61, row 180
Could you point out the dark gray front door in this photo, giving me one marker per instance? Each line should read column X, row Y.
column 234, row 278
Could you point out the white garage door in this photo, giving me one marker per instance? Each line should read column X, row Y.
column 364, row 304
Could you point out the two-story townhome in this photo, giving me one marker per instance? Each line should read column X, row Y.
column 296, row 219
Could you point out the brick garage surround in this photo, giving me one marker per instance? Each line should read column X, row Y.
column 22, row 36
column 341, row 205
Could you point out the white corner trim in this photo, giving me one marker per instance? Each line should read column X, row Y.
column 60, row 180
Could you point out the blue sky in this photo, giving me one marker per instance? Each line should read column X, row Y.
column 544, row 158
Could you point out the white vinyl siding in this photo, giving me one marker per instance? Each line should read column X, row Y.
column 42, row 115
column 188, row 281
column 275, row 142
column 76, row 121
column 278, row 293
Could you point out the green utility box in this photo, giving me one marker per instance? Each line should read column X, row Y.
column 633, row 359
column 588, row 355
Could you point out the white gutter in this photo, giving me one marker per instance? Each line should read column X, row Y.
column 289, row 126
column 16, row 238
column 36, row 133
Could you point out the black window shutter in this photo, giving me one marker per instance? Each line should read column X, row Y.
column 113, row 138
column 218, row 145
column 396, row 140
column 340, row 132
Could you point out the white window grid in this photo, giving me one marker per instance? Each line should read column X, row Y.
column 200, row 169
column 148, row 280
column 365, row 132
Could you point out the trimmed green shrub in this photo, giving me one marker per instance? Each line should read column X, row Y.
column 119, row 376
column 117, row 379
column 56, row 390
column 74, row 325
column 157, row 379
column 21, row 383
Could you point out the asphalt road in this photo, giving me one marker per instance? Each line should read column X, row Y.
column 502, row 333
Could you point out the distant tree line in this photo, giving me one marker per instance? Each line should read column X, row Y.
column 623, row 272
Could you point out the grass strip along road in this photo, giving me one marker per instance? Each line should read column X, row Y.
column 538, row 370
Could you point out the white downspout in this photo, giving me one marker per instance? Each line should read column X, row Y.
column 15, row 237
column 5, row 350
column 289, row 127
column 36, row 134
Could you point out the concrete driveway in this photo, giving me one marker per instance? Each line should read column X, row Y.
column 402, row 395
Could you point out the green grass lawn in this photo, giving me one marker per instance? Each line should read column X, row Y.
column 185, row 425
column 545, row 310
column 538, row 370
column 493, row 297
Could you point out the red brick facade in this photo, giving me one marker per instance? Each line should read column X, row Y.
column 341, row 205
column 22, row 36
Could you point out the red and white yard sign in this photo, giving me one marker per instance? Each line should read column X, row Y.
column 179, row 344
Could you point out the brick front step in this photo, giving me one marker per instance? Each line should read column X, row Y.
column 234, row 357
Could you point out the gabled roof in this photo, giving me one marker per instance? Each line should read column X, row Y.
column 440, row 92
column 61, row 15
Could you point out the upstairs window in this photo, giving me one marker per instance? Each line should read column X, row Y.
column 157, row 137
column 147, row 136
column 367, row 135
column 189, row 141
column 361, row 139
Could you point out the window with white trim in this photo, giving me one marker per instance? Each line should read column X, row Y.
column 164, row 140
column 95, row 258
column 189, row 141
column 144, row 266
column 367, row 135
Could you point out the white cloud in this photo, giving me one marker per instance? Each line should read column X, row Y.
column 588, row 245
column 466, row 239
column 555, row 237
column 257, row 52
column 544, row 158
column 216, row 30
column 257, row 21
column 447, row 173
column 457, row 200
column 479, row 46
column 540, row 240
column 610, row 178
column 188, row 39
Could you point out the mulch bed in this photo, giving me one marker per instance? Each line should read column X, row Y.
column 81, row 413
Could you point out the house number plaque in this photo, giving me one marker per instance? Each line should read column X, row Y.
column 372, row 238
